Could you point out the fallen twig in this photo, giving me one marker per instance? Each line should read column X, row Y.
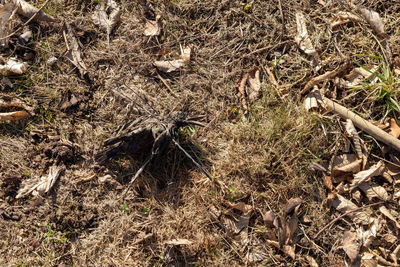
column 363, row 124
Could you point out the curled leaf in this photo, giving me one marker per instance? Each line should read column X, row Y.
column 13, row 67
column 27, row 10
column 169, row 66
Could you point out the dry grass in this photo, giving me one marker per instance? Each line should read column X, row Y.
column 260, row 160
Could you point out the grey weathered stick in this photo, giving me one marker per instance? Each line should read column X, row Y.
column 363, row 124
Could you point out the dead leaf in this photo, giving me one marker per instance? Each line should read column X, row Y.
column 185, row 53
column 14, row 116
column 317, row 167
column 364, row 176
column 292, row 204
column 346, row 163
column 179, row 241
column 243, row 207
column 169, row 66
column 269, row 218
column 27, row 10
column 356, row 195
column 344, row 205
column 328, row 182
column 152, row 27
column 288, row 250
column 13, row 66
column 142, row 237
column 310, row 103
column 389, row 215
column 352, row 132
column 351, row 245
column 368, row 236
column 394, row 128
column 373, row 19
column 107, row 15
column 302, row 38
column 311, row 261
column 254, row 86
column 374, row 191
column 368, row 260
column 43, row 185
column 343, row 18
column 6, row 13
column 358, row 75
column 73, row 49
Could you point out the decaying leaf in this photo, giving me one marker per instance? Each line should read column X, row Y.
column 292, row 204
column 5, row 20
column 13, row 67
column 346, row 163
column 179, row 241
column 27, row 10
column 311, row 261
column 344, row 205
column 107, row 15
column 368, row 260
column 269, row 218
column 343, row 18
column 389, row 215
column 302, row 38
column 367, row 236
column 152, row 27
column 394, row 128
column 374, row 191
column 170, row 65
column 373, row 19
column 364, row 176
column 288, row 250
column 253, row 87
column 73, row 49
column 243, row 207
column 351, row 245
column 358, row 75
column 43, row 185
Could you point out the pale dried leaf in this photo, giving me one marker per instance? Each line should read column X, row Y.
column 352, row 132
column 344, row 205
column 13, row 66
column 356, row 195
column 389, row 215
column 343, row 18
column 107, row 15
column 358, row 75
column 185, row 53
column 394, row 128
column 74, row 53
column 389, row 238
column 14, row 102
column 27, row 10
column 169, row 66
column 328, row 182
column 368, row 260
column 374, row 191
column 179, row 241
column 365, row 176
column 346, row 163
column 152, row 28
column 396, row 254
column 351, row 245
column 14, row 116
column 373, row 19
column 254, row 84
column 369, row 235
column 311, row 261
column 302, row 38
column 43, row 186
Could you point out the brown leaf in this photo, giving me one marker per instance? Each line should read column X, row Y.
column 243, row 207
column 364, row 176
column 269, row 218
column 292, row 204
column 394, row 128
column 254, row 85
column 328, row 182
column 389, row 215
column 343, row 18
column 311, row 261
column 373, row 19
column 14, row 116
column 288, row 250
column 152, row 28
column 5, row 17
column 106, row 15
column 374, row 191
column 351, row 245
column 344, row 205
column 368, row 260
column 73, row 53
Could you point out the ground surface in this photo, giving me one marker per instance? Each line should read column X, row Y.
column 173, row 215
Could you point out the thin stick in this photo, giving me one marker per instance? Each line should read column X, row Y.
column 137, row 175
column 190, row 157
column 363, row 124
column 166, row 84
column 345, row 214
